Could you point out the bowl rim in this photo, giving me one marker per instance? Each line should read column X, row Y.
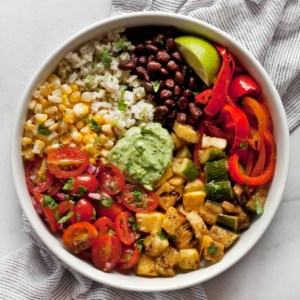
column 49, row 239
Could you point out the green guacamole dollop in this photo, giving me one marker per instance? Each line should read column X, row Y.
column 143, row 154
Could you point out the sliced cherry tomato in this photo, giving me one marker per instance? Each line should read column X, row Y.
column 84, row 211
column 55, row 187
column 124, row 228
column 204, row 97
column 80, row 236
column 67, row 207
column 50, row 211
column 67, row 162
column 111, row 209
column 106, row 252
column 86, row 181
column 111, row 179
column 104, row 226
column 130, row 257
column 38, row 178
column 137, row 199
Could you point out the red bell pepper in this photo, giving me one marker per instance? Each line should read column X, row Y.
column 238, row 174
column 204, row 97
column 260, row 163
column 221, row 86
column 236, row 118
column 243, row 85
column 255, row 140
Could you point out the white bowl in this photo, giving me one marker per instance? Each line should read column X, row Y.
column 247, row 240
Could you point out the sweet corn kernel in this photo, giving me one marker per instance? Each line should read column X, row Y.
column 102, row 139
column 99, row 119
column 86, row 97
column 65, row 139
column 50, row 110
column 74, row 87
column 107, row 119
column 107, row 129
column 49, row 122
column 28, row 154
column 79, row 124
column 66, row 89
column 45, row 90
column 36, row 94
column 41, row 118
column 54, row 127
column 77, row 136
column 89, row 148
column 104, row 153
column 32, row 104
column 68, row 116
column 26, row 141
column 44, row 102
column 38, row 109
column 38, row 146
column 65, row 100
column 53, row 78
column 81, row 109
column 28, row 133
column 108, row 144
column 52, row 136
column 75, row 97
column 29, row 126
column 88, row 139
column 86, row 129
column 61, row 107
column 63, row 127
column 54, row 99
column 48, row 149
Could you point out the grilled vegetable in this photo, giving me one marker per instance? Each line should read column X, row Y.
column 193, row 200
column 165, row 177
column 149, row 221
column 224, row 236
column 216, row 170
column 211, row 250
column 219, row 190
column 210, row 211
column 172, row 220
column 184, row 152
column 194, row 186
column 189, row 259
column 146, row 266
column 197, row 224
column 186, row 132
column 186, row 168
column 178, row 142
column 185, row 237
column 257, row 202
column 230, row 222
column 155, row 244
column 177, row 180
column 166, row 262
column 210, row 154
column 213, row 142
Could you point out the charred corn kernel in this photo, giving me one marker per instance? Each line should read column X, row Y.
column 54, row 99
column 108, row 144
column 54, row 127
column 63, row 127
column 107, row 129
column 41, row 118
column 26, row 141
column 52, row 136
column 66, row 89
column 28, row 154
column 92, row 160
column 38, row 109
column 38, row 146
column 29, row 126
column 104, row 153
column 32, row 104
column 51, row 110
column 88, row 139
column 28, row 133
column 49, row 122
column 89, row 148
column 77, row 136
column 86, row 97
column 72, row 128
column 66, row 139
column 48, row 149
column 68, row 117
column 45, row 90
column 81, row 109
column 44, row 102
column 79, row 124
column 74, row 87
column 86, row 129
column 99, row 119
column 75, row 97
column 61, row 107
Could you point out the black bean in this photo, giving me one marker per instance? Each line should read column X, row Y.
column 188, row 93
column 139, row 48
column 172, row 66
column 162, row 56
column 191, row 120
column 181, row 117
column 170, row 102
column 192, row 83
column 159, row 40
column 163, row 94
column 170, row 83
column 161, row 110
column 195, row 110
column 153, row 66
column 151, row 48
column 164, row 72
column 179, row 77
column 172, row 114
column 170, row 44
column 182, row 103
column 140, row 70
column 177, row 56
column 143, row 60
column 177, row 90
column 126, row 65
column 148, row 87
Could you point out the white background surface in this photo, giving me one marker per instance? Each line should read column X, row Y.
column 29, row 31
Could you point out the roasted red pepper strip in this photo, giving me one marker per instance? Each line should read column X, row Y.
column 250, row 162
column 242, row 85
column 255, row 140
column 239, row 176
column 204, row 97
column 221, row 86
column 260, row 163
column 237, row 118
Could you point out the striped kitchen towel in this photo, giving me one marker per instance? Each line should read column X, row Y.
column 270, row 29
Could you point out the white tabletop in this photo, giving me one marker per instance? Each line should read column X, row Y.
column 29, row 31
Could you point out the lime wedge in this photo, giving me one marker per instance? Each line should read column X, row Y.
column 201, row 56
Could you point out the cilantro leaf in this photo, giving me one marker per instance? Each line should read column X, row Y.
column 107, row 202
column 65, row 218
column 94, row 126
column 82, row 190
column 43, row 130
column 49, row 201
column 90, row 79
column 212, row 250
column 120, row 44
column 155, row 85
column 133, row 224
column 140, row 244
column 137, row 196
column 56, row 215
column 258, row 208
column 105, row 58
column 78, row 217
column 162, row 235
column 69, row 183
column 94, row 64
column 122, row 105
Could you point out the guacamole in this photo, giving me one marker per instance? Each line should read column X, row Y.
column 143, row 154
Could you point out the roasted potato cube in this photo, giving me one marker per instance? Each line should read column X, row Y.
column 197, row 223
column 166, row 262
column 180, row 209
column 178, row 142
column 149, row 221
column 224, row 236
column 146, row 266
column 193, row 200
column 210, row 211
column 185, row 237
column 155, row 244
column 189, row 259
column 211, row 250
column 177, row 180
column 172, row 220
column 194, row 186
column 165, row 177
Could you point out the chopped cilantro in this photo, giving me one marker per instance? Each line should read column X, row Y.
column 244, row 145
column 107, row 202
column 120, row 44
column 94, row 126
column 78, row 217
column 69, row 183
column 212, row 250
column 258, row 208
column 56, row 215
column 162, row 235
column 122, row 105
column 105, row 58
column 83, row 190
column 137, row 196
column 155, row 85
column 85, row 118
column 43, row 130
column 161, row 42
column 65, row 218
column 49, row 201
column 90, row 79
column 140, row 244
column 133, row 225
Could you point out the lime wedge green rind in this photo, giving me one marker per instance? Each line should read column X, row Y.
column 201, row 56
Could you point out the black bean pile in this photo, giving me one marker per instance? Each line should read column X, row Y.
column 169, row 82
